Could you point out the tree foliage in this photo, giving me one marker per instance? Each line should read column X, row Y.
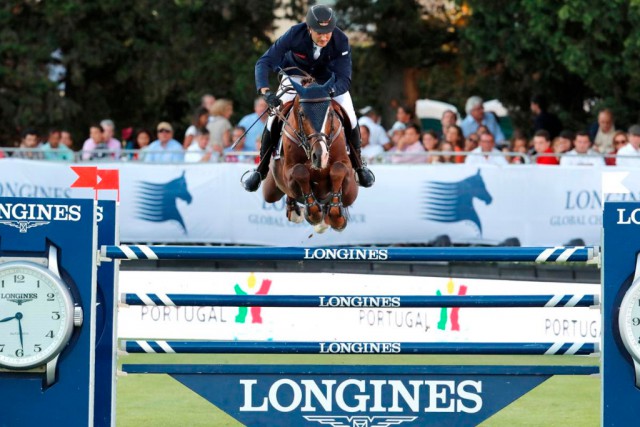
column 576, row 52
column 135, row 62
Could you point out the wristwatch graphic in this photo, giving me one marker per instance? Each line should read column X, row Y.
column 37, row 315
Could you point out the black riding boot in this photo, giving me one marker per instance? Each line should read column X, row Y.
column 255, row 177
column 366, row 178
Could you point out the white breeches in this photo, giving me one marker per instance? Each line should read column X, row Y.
column 344, row 100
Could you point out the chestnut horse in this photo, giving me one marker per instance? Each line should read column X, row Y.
column 313, row 169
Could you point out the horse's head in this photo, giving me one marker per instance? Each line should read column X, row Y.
column 480, row 189
column 315, row 120
column 178, row 188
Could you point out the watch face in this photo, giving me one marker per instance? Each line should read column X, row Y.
column 36, row 315
column 629, row 320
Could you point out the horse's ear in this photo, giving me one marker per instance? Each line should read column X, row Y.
column 297, row 86
column 183, row 172
column 478, row 173
column 329, row 84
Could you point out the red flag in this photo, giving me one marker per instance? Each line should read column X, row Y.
column 109, row 179
column 87, row 176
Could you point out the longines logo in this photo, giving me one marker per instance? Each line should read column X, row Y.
column 25, row 216
column 19, row 298
column 379, row 254
column 632, row 218
column 359, row 421
column 365, row 396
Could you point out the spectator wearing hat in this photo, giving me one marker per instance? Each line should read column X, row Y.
column 629, row 154
column 165, row 149
column 582, row 154
column 377, row 134
column 476, row 117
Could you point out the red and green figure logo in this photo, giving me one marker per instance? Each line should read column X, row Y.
column 255, row 311
column 453, row 313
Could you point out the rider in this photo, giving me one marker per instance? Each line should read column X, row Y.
column 318, row 48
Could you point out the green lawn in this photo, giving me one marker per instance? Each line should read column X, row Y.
column 158, row 400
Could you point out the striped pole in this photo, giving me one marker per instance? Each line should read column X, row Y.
column 334, row 347
column 241, row 253
column 359, row 301
column 386, row 370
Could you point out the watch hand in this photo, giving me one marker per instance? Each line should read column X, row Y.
column 19, row 316
column 6, row 319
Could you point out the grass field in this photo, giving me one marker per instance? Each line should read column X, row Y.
column 159, row 400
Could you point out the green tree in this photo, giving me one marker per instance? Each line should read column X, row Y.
column 407, row 40
column 135, row 62
column 576, row 52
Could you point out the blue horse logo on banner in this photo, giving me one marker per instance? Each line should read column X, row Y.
column 157, row 202
column 453, row 201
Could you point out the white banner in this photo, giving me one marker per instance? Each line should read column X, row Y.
column 351, row 324
column 204, row 203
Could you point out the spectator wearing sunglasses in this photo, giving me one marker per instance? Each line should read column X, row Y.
column 165, row 149
column 619, row 140
column 629, row 154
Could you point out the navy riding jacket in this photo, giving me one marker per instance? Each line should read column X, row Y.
column 295, row 49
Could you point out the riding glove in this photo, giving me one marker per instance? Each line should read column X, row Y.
column 272, row 100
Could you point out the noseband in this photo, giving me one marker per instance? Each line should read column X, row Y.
column 307, row 142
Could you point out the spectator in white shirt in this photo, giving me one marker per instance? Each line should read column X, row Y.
column 486, row 153
column 377, row 134
column 198, row 150
column 582, row 154
column 629, row 154
column 368, row 150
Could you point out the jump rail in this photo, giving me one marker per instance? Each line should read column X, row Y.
column 359, row 369
column 353, row 301
column 223, row 253
column 334, row 347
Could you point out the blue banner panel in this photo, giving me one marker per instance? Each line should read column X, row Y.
column 363, row 395
column 29, row 228
column 620, row 394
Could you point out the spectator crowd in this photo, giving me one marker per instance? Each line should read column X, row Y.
column 478, row 138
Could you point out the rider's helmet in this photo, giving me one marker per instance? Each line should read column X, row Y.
column 321, row 19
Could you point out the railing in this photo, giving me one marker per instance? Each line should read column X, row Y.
column 249, row 157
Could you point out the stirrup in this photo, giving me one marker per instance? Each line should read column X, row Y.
column 252, row 182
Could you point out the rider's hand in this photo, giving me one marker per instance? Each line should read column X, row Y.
column 332, row 92
column 272, row 100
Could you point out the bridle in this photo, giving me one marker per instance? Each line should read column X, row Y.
column 298, row 136
column 308, row 142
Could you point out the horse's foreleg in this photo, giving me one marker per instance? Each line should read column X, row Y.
column 336, row 214
column 313, row 211
column 293, row 211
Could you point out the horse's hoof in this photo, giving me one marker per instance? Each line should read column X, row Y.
column 313, row 214
column 295, row 217
column 321, row 227
column 339, row 224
